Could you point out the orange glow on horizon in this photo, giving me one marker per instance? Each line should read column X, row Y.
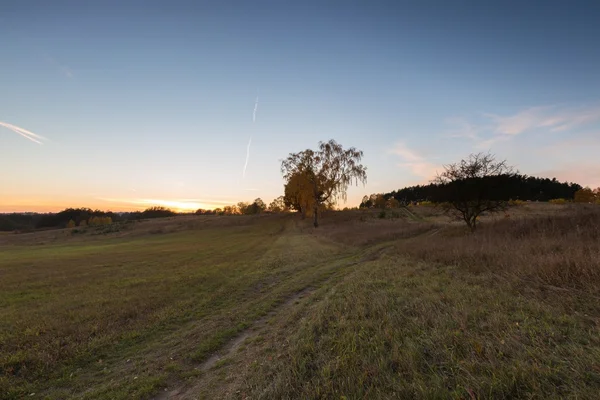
column 39, row 205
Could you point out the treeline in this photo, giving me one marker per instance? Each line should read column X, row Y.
column 258, row 206
column 72, row 217
column 78, row 217
column 509, row 187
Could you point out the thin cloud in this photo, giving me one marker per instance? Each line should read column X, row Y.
column 493, row 128
column 255, row 109
column 247, row 157
column 415, row 162
column 463, row 128
column 23, row 132
column 250, row 141
column 553, row 118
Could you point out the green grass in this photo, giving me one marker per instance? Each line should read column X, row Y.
column 387, row 311
column 73, row 314
column 394, row 329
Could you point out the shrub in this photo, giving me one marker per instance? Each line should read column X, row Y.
column 517, row 203
column 558, row 201
column 98, row 221
column 585, row 195
column 426, row 203
column 381, row 214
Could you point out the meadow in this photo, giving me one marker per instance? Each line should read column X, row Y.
column 260, row 307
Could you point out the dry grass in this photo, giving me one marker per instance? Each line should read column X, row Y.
column 430, row 318
column 411, row 306
column 360, row 228
column 560, row 250
column 121, row 316
column 557, row 245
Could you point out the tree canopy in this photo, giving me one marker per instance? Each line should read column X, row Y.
column 474, row 186
column 322, row 176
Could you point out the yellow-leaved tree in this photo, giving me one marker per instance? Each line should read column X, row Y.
column 298, row 194
column 585, row 195
column 318, row 178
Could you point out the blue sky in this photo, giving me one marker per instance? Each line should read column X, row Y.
column 144, row 103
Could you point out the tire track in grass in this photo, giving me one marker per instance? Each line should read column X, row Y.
column 229, row 350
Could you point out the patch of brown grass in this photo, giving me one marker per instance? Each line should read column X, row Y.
column 361, row 228
column 561, row 250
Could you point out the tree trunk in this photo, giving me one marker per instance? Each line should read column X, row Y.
column 316, row 216
column 472, row 224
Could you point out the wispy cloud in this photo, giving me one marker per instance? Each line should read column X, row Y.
column 247, row 157
column 255, row 109
column 553, row 118
column 415, row 162
column 23, row 132
column 493, row 128
column 250, row 141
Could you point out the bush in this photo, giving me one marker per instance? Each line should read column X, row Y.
column 99, row 221
column 381, row 214
column 157, row 212
column 426, row 203
column 516, row 203
column 558, row 201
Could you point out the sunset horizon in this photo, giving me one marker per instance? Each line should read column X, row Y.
column 299, row 199
column 139, row 104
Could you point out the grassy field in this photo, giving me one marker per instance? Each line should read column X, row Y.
column 267, row 307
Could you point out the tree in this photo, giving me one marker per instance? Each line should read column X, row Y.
column 257, row 207
column 366, row 202
column 380, row 201
column 298, row 194
column 474, row 186
column 243, row 207
column 158, row 212
column 585, row 195
column 392, row 203
column 277, row 205
column 327, row 172
column 230, row 210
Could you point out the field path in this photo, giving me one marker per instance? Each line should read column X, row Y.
column 232, row 347
column 233, row 350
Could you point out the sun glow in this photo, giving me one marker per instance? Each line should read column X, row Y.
column 179, row 205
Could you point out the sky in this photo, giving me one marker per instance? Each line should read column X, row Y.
column 141, row 103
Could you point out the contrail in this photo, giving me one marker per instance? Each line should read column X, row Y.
column 23, row 132
column 255, row 109
column 247, row 157
column 250, row 141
